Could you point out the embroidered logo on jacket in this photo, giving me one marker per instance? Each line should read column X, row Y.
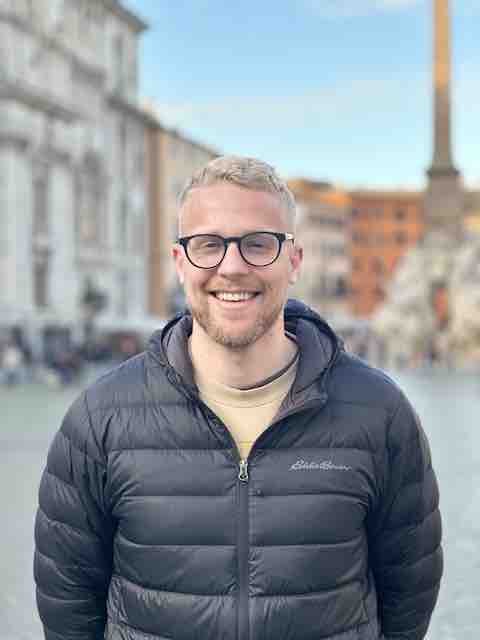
column 325, row 465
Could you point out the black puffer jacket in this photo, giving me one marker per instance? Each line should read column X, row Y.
column 146, row 532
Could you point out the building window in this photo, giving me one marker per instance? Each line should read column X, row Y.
column 379, row 293
column 118, row 62
column 139, row 233
column 40, row 205
column 122, row 149
column 359, row 237
column 400, row 215
column 90, row 202
column 40, row 280
column 341, row 288
column 401, row 237
column 378, row 265
column 123, row 294
column 140, row 161
column 123, row 225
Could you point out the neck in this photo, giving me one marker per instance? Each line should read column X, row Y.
column 241, row 368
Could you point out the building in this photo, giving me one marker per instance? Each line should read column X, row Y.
column 384, row 225
column 472, row 211
column 323, row 231
column 171, row 160
column 444, row 200
column 72, row 160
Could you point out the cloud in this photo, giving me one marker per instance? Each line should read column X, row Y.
column 370, row 95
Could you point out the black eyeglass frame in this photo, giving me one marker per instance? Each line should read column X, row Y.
column 281, row 237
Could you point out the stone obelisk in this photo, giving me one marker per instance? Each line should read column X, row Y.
column 444, row 196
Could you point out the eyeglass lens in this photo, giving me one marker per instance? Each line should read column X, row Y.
column 258, row 249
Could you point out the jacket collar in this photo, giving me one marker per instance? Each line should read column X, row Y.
column 318, row 344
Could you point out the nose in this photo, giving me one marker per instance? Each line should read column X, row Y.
column 233, row 262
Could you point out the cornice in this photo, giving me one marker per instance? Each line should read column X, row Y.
column 38, row 99
column 120, row 103
column 15, row 140
column 121, row 11
column 377, row 194
column 445, row 171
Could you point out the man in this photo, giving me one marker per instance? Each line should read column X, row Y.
column 244, row 478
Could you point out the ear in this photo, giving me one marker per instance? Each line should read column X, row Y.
column 178, row 256
column 296, row 260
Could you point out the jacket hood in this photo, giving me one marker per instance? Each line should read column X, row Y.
column 319, row 345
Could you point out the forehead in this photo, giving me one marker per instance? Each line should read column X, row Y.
column 230, row 209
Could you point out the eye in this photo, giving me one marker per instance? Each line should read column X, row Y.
column 259, row 242
column 206, row 243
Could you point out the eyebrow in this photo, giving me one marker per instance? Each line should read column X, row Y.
column 223, row 235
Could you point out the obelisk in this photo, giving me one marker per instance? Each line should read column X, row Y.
column 444, row 196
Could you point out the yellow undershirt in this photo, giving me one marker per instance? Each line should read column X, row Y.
column 246, row 412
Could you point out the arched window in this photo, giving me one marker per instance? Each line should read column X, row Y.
column 90, row 202
column 41, row 277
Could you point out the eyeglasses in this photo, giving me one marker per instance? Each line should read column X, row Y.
column 258, row 249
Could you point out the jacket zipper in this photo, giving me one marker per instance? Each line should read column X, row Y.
column 243, row 544
column 243, row 537
column 243, row 552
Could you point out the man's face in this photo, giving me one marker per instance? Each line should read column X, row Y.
column 228, row 210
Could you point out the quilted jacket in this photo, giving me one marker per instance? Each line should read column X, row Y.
column 149, row 526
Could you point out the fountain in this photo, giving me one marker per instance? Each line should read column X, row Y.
column 432, row 309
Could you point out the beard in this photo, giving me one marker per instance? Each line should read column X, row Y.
column 229, row 337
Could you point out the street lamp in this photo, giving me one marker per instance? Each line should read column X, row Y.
column 93, row 302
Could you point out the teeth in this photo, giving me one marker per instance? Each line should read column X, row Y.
column 234, row 297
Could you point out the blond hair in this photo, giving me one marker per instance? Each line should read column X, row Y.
column 241, row 171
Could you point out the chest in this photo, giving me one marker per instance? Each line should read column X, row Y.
column 292, row 495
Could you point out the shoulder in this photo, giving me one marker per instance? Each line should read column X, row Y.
column 376, row 399
column 354, row 380
column 101, row 412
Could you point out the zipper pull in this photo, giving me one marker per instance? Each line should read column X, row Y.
column 243, row 474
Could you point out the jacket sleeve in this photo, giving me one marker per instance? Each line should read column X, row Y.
column 405, row 533
column 73, row 533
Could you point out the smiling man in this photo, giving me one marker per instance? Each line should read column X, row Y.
column 245, row 478
column 236, row 258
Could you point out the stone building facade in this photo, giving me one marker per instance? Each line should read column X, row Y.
column 72, row 161
column 323, row 218
column 171, row 160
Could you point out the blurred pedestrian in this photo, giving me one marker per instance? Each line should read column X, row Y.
column 12, row 364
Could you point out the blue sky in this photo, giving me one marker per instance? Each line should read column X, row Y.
column 325, row 89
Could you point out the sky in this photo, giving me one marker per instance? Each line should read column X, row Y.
column 336, row 90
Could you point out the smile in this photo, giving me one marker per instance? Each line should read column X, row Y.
column 234, row 296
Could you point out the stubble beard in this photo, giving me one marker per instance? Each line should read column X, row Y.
column 214, row 329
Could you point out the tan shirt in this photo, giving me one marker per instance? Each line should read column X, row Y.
column 246, row 412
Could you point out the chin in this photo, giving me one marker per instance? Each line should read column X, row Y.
column 239, row 332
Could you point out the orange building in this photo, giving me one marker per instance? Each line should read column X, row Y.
column 384, row 225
